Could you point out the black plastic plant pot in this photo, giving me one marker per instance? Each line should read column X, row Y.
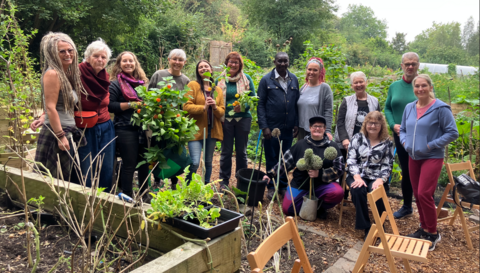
column 243, row 178
column 227, row 222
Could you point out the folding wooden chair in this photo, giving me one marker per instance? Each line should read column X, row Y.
column 447, row 197
column 259, row 258
column 391, row 245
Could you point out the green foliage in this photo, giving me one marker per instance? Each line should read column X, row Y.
column 442, row 44
column 399, row 43
column 160, row 112
column 245, row 100
column 283, row 19
column 452, row 69
column 335, row 64
column 186, row 201
column 19, row 82
column 359, row 23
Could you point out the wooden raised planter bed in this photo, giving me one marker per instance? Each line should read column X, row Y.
column 179, row 257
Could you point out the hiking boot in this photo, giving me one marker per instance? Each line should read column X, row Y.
column 419, row 234
column 403, row 212
column 434, row 238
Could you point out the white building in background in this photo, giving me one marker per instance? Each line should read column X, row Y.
column 443, row 69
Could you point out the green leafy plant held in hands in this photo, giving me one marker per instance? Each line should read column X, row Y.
column 160, row 111
column 243, row 100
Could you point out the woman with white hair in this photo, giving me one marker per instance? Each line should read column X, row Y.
column 176, row 60
column 100, row 135
column 61, row 87
column 353, row 110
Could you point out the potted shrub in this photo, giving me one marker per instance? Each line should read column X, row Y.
column 160, row 111
column 189, row 208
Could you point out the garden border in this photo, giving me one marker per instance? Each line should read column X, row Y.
column 226, row 250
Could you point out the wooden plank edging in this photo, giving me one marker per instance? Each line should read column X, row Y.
column 193, row 258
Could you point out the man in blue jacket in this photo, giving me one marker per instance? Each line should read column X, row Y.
column 277, row 108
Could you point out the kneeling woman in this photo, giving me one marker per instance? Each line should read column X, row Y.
column 325, row 187
column 370, row 159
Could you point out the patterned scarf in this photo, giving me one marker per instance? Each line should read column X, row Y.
column 127, row 84
column 242, row 85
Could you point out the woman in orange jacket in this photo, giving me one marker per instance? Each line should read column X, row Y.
column 206, row 106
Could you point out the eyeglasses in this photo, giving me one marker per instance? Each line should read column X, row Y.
column 316, row 127
column 233, row 62
column 373, row 124
column 63, row 51
column 410, row 64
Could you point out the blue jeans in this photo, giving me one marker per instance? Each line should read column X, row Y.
column 98, row 137
column 272, row 150
column 195, row 149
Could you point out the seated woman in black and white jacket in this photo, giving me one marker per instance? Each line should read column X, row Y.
column 370, row 159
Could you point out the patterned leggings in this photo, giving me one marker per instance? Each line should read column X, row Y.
column 331, row 194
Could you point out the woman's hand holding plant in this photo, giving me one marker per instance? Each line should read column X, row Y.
column 313, row 173
column 210, row 102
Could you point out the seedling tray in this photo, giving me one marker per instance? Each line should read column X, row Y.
column 227, row 222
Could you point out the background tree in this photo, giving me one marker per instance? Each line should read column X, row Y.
column 283, row 19
column 442, row 44
column 359, row 23
column 399, row 43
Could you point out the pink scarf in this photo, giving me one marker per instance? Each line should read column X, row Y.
column 128, row 84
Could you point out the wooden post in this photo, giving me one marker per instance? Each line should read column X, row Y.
column 470, row 142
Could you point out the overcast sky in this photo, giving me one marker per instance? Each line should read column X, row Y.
column 414, row 16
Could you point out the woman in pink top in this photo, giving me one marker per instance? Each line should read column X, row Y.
column 427, row 127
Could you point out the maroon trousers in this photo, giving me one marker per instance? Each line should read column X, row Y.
column 424, row 176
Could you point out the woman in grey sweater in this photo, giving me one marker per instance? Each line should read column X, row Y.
column 316, row 99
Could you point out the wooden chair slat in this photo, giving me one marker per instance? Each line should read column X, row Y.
column 398, row 243
column 392, row 241
column 404, row 245
column 474, row 228
column 425, row 250
column 418, row 248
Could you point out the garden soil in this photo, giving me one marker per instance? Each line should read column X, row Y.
column 450, row 256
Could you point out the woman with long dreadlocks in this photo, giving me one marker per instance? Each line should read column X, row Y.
column 316, row 99
column 207, row 108
column 61, row 88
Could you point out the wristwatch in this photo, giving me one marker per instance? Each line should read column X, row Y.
column 129, row 105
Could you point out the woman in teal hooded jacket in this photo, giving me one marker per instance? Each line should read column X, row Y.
column 428, row 126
